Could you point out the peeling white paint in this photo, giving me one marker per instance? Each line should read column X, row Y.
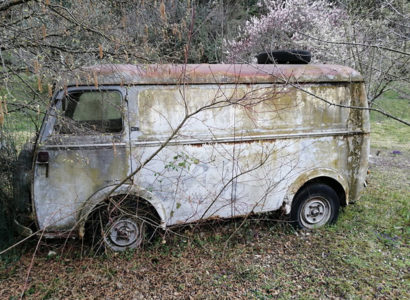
column 250, row 150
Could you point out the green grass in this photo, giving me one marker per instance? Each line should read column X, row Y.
column 25, row 106
column 19, row 118
column 386, row 132
column 392, row 103
column 389, row 134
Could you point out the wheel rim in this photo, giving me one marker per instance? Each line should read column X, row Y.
column 315, row 212
column 122, row 234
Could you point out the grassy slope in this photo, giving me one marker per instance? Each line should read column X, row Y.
column 387, row 133
column 21, row 124
column 366, row 255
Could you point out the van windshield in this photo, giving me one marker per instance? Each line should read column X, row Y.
column 87, row 112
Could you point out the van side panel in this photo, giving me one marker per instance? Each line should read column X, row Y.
column 241, row 146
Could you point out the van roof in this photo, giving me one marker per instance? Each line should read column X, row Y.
column 113, row 74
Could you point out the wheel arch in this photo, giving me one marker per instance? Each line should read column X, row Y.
column 126, row 189
column 329, row 177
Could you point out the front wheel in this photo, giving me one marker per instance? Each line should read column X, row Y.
column 315, row 206
column 125, row 232
column 117, row 225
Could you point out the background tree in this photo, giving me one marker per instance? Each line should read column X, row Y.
column 371, row 37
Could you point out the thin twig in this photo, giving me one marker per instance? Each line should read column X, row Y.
column 31, row 265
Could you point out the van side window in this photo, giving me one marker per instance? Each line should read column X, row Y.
column 91, row 111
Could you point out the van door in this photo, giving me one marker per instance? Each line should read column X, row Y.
column 83, row 147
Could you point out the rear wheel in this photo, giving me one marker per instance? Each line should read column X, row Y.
column 315, row 206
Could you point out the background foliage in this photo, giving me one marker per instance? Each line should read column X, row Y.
column 365, row 256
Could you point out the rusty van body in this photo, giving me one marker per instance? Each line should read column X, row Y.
column 193, row 142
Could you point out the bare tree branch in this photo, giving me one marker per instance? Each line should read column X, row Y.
column 355, row 44
column 9, row 4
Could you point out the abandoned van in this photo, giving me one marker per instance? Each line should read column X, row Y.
column 123, row 147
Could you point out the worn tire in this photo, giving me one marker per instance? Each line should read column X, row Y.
column 315, row 205
column 116, row 228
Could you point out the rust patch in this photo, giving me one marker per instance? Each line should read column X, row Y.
column 212, row 74
column 199, row 145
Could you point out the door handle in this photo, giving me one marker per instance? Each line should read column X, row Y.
column 42, row 160
column 45, row 164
